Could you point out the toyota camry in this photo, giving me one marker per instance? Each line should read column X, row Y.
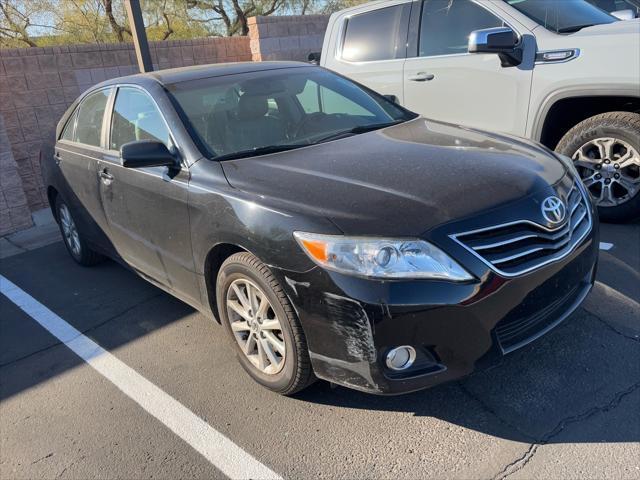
column 333, row 233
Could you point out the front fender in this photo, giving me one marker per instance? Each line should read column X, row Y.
column 221, row 214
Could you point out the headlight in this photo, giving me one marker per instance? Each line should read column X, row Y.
column 381, row 258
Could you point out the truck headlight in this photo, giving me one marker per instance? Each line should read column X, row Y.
column 381, row 258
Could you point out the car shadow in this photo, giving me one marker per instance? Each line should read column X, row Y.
column 538, row 394
column 91, row 300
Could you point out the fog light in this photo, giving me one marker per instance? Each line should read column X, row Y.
column 401, row 358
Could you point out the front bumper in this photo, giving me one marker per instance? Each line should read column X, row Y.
column 351, row 323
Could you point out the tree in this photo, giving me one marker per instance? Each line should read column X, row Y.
column 16, row 21
column 31, row 23
column 234, row 14
column 170, row 18
column 118, row 29
column 330, row 6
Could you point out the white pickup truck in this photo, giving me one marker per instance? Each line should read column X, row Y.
column 563, row 73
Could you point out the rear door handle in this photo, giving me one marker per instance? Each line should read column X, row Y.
column 421, row 77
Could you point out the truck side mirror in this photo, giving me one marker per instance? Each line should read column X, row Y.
column 499, row 40
column 314, row 57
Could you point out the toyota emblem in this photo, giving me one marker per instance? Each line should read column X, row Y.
column 553, row 209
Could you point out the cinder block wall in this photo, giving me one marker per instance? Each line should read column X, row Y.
column 286, row 38
column 38, row 84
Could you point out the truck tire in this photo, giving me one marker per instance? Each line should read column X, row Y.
column 606, row 151
column 269, row 342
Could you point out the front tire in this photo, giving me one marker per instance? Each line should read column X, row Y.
column 73, row 239
column 606, row 151
column 265, row 332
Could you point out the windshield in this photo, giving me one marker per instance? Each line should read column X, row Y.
column 562, row 16
column 263, row 112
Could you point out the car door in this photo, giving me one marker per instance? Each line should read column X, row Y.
column 76, row 153
column 444, row 82
column 371, row 47
column 146, row 208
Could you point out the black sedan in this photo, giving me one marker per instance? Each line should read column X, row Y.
column 333, row 233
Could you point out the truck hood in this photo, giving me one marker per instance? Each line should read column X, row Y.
column 401, row 180
column 627, row 27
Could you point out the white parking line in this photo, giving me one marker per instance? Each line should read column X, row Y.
column 225, row 455
column 606, row 246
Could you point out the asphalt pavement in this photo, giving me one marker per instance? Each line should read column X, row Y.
column 566, row 406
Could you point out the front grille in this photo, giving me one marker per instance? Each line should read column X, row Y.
column 515, row 332
column 522, row 246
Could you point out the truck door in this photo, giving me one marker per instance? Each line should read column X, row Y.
column 444, row 82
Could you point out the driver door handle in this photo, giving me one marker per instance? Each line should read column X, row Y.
column 421, row 77
column 106, row 177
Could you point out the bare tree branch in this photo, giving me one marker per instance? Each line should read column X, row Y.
column 118, row 29
column 17, row 24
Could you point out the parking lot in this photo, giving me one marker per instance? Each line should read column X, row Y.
column 166, row 389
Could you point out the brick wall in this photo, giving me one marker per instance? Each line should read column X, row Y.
column 286, row 38
column 38, row 84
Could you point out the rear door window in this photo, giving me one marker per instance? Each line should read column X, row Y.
column 377, row 35
column 445, row 25
column 68, row 131
column 90, row 117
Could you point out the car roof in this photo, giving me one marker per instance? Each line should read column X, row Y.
column 182, row 74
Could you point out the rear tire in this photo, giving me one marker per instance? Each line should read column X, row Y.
column 73, row 239
column 606, row 151
column 267, row 337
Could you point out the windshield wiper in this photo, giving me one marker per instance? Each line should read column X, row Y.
column 574, row 28
column 357, row 130
column 254, row 152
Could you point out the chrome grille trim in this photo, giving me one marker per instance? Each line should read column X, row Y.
column 559, row 242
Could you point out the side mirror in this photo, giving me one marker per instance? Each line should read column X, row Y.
column 314, row 57
column 499, row 40
column 624, row 14
column 146, row 153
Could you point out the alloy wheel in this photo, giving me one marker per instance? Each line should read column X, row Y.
column 610, row 169
column 255, row 326
column 69, row 230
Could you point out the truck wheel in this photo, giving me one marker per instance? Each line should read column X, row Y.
column 74, row 241
column 266, row 334
column 606, row 151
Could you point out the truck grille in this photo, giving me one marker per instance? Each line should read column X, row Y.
column 519, row 247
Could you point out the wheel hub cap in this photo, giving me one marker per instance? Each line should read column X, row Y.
column 69, row 230
column 255, row 326
column 610, row 169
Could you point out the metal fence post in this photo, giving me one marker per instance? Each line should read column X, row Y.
column 136, row 23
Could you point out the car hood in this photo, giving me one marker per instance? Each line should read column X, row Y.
column 401, row 180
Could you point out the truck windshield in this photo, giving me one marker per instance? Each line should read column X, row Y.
column 256, row 113
column 562, row 16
